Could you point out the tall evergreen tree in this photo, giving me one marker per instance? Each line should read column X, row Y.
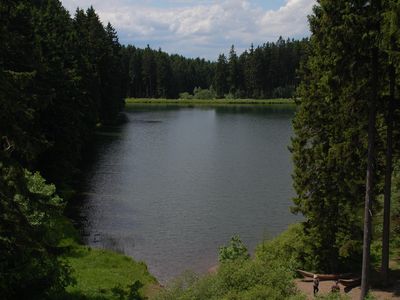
column 164, row 75
column 331, row 129
column 234, row 72
column 149, row 72
column 220, row 79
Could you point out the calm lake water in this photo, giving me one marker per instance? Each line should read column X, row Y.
column 173, row 184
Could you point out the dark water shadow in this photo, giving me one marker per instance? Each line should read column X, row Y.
column 103, row 138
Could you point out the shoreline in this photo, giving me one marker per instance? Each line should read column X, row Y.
column 208, row 102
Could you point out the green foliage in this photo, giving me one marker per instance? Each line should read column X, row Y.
column 59, row 78
column 204, row 94
column 240, row 279
column 29, row 266
column 132, row 102
column 132, row 294
column 370, row 297
column 333, row 296
column 185, row 96
column 134, row 291
column 268, row 276
column 106, row 275
column 268, row 71
column 220, row 77
column 330, row 144
column 289, row 246
column 234, row 251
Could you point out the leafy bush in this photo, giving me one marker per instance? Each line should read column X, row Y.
column 235, row 250
column 238, row 277
column 205, row 94
column 287, row 247
column 241, row 279
column 185, row 96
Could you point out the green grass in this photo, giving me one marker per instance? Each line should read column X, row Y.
column 102, row 274
column 208, row 102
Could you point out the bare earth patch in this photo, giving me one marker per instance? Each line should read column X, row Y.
column 306, row 287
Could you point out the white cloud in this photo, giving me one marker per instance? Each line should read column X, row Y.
column 200, row 28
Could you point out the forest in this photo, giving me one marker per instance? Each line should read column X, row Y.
column 63, row 76
column 267, row 71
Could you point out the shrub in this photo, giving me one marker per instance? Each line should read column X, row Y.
column 185, row 96
column 235, row 250
column 205, row 94
column 238, row 277
column 241, row 279
column 287, row 248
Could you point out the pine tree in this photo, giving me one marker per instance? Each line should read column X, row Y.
column 149, row 72
column 234, row 72
column 164, row 75
column 331, row 129
column 221, row 74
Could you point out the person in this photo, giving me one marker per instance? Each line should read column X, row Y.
column 316, row 284
column 335, row 288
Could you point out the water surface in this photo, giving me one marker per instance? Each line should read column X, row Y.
column 173, row 184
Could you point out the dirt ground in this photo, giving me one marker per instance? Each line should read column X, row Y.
column 325, row 287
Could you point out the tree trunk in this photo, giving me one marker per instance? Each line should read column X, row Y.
column 369, row 189
column 369, row 195
column 388, row 179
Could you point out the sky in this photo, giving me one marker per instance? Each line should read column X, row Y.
column 201, row 28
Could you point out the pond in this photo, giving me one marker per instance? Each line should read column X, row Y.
column 173, row 184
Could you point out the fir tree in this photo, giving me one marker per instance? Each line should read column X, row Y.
column 220, row 79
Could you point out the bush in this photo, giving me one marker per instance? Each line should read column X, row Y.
column 268, row 276
column 235, row 250
column 185, row 96
column 205, row 94
column 287, row 247
column 241, row 279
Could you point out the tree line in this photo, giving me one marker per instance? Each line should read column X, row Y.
column 156, row 74
column 267, row 71
column 347, row 135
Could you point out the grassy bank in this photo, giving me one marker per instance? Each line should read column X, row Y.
column 101, row 274
column 207, row 102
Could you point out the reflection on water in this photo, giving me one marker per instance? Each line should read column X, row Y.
column 174, row 183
